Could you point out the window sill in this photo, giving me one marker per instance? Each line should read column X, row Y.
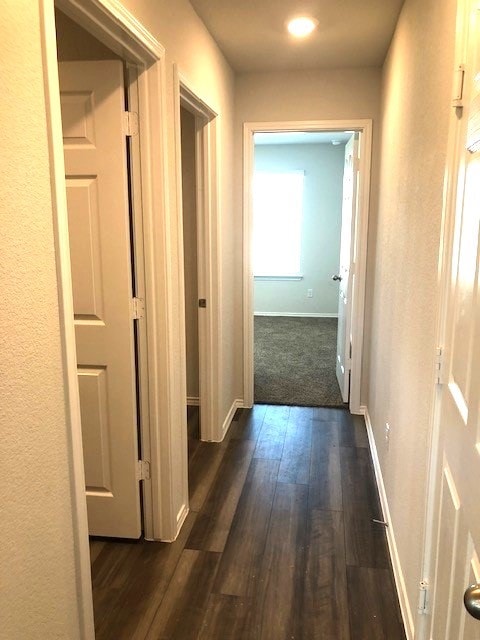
column 299, row 277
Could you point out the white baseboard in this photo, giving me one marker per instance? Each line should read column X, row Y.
column 405, row 607
column 193, row 401
column 286, row 314
column 236, row 404
column 181, row 517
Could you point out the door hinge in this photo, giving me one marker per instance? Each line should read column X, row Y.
column 138, row 308
column 439, row 365
column 143, row 470
column 423, row 597
column 458, row 81
column 130, row 123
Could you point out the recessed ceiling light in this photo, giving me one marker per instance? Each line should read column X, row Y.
column 302, row 26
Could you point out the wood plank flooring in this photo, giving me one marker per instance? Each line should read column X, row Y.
column 279, row 543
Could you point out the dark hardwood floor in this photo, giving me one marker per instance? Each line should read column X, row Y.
column 279, row 543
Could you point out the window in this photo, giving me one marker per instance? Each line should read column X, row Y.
column 277, row 223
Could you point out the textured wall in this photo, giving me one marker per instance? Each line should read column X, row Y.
column 321, row 227
column 37, row 582
column 416, row 104
column 305, row 95
column 189, row 45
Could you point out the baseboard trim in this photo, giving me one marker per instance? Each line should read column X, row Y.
column 286, row 314
column 236, row 404
column 181, row 517
column 193, row 401
column 405, row 608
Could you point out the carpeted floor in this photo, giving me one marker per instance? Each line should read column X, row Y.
column 295, row 361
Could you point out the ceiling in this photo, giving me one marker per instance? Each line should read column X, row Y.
column 301, row 137
column 253, row 36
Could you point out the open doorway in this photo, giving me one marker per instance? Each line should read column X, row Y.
column 105, row 233
column 297, row 223
column 305, row 261
column 196, row 145
column 190, row 261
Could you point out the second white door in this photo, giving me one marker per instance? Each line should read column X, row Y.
column 345, row 274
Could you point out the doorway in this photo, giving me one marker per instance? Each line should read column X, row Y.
column 197, row 152
column 350, row 284
column 190, row 261
column 104, row 220
column 297, row 211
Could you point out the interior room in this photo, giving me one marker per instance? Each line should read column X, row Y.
column 296, row 240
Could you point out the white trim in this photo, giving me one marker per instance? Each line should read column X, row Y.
column 132, row 89
column 361, row 244
column 116, row 27
column 208, row 260
column 181, row 517
column 193, row 401
column 361, row 237
column 287, row 314
column 67, row 329
column 405, row 608
column 236, row 404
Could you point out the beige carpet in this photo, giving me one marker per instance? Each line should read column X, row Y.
column 295, row 361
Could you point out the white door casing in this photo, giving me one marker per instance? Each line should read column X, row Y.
column 455, row 542
column 346, row 271
column 364, row 130
column 208, row 259
column 92, row 100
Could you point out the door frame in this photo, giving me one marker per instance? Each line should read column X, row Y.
column 364, row 127
column 208, row 262
column 117, row 28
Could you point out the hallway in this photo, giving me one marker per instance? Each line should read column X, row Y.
column 278, row 545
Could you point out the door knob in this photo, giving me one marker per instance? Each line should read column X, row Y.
column 471, row 600
column 337, row 278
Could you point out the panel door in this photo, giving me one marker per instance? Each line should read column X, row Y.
column 457, row 544
column 345, row 274
column 92, row 100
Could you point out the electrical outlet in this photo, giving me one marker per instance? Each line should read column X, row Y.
column 309, row 293
column 387, row 434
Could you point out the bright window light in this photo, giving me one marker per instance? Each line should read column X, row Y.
column 277, row 223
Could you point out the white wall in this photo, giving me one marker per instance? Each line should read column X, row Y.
column 38, row 586
column 321, row 227
column 416, row 103
column 303, row 95
column 38, row 590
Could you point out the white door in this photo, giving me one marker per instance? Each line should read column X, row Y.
column 456, row 546
column 92, row 99
column 345, row 273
